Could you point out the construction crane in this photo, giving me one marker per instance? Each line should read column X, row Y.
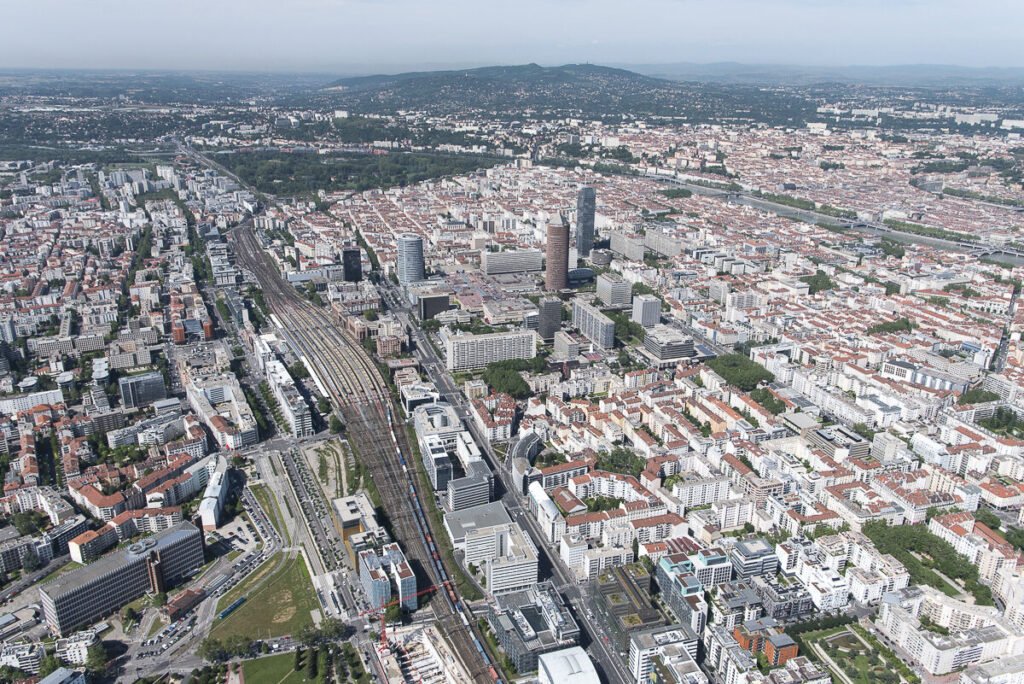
column 382, row 609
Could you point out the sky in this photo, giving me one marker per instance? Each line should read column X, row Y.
column 364, row 36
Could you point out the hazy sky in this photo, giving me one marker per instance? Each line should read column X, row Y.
column 349, row 36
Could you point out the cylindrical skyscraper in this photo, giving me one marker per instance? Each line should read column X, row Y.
column 409, row 263
column 557, row 275
column 586, row 207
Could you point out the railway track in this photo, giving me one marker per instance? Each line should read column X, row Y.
column 364, row 401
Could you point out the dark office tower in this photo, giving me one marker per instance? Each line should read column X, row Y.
column 549, row 318
column 139, row 391
column 557, row 276
column 586, row 207
column 351, row 264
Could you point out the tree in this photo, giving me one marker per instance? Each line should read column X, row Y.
column 892, row 248
column 211, row 649
column 10, row 674
column 393, row 613
column 898, row 325
column 312, row 664
column 31, row 562
column 819, row 282
column 863, row 430
column 764, row 397
column 977, row 396
column 740, row 371
column 987, row 517
column 160, row 599
column 29, row 523
column 48, row 664
column 506, row 381
column 336, row 425
column 621, row 460
column 96, row 658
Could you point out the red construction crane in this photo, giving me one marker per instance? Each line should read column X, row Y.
column 381, row 610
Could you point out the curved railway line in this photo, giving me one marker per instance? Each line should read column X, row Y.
column 354, row 384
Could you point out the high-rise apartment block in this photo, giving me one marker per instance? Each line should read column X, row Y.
column 466, row 351
column 593, row 324
column 567, row 347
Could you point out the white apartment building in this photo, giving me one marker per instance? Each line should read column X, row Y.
column 985, row 551
column 466, row 351
column 694, row 491
column 75, row 648
column 546, row 512
column 977, row 634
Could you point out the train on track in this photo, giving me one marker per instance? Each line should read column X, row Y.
column 424, row 531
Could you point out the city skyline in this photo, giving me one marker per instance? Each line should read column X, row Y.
column 345, row 36
column 600, row 344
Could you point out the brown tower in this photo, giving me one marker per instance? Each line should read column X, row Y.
column 557, row 275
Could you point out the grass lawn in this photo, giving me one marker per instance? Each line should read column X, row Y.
column 282, row 605
column 247, row 585
column 157, row 625
column 275, row 669
column 269, row 504
column 68, row 567
column 861, row 663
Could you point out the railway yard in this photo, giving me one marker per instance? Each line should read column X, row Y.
column 346, row 374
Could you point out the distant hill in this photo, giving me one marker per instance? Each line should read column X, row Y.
column 582, row 88
column 524, row 75
column 904, row 75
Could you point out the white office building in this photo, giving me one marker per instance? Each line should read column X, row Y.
column 646, row 310
column 506, row 555
column 514, row 261
column 613, row 290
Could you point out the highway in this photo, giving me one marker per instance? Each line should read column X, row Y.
column 611, row 663
column 356, row 387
